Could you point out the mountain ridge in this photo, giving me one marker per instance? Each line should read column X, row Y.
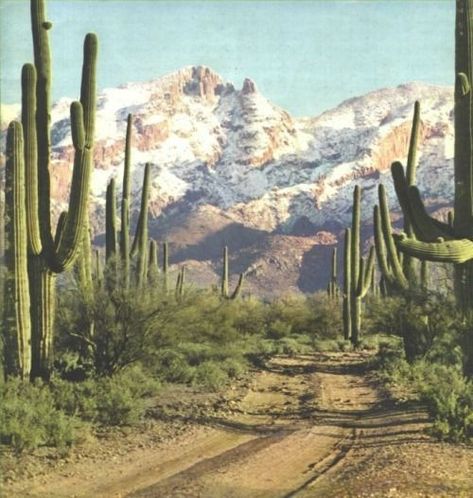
column 228, row 158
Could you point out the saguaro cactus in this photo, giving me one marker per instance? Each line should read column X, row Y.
column 347, row 285
column 358, row 274
column 16, row 288
column 224, row 285
column 153, row 263
column 179, row 292
column 165, row 265
column 110, row 222
column 140, row 242
column 436, row 241
column 332, row 288
column 125, row 207
column 48, row 253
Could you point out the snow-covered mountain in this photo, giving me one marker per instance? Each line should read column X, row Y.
column 230, row 167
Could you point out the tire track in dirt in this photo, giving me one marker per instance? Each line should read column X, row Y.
column 295, row 397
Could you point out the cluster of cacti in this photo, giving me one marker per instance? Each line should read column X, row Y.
column 430, row 239
column 333, row 290
column 28, row 206
column 145, row 250
column 224, row 292
column 358, row 274
column 399, row 271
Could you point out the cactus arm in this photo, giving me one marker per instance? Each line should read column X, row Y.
column 429, row 228
column 394, row 261
column 380, row 246
column 238, row 287
column 82, row 126
column 424, row 226
column 451, row 251
column 61, row 223
column 88, row 87
column 366, row 274
column 28, row 108
column 413, row 141
column 143, row 217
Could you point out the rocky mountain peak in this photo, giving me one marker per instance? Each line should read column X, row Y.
column 249, row 87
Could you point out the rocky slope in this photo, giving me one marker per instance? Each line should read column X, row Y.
column 230, row 167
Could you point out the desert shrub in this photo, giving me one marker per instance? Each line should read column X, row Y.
column 108, row 333
column 210, row 375
column 29, row 418
column 446, row 392
column 291, row 346
column 118, row 400
column 279, row 329
column 327, row 321
column 234, row 367
column 422, row 320
column 118, row 404
column 172, row 366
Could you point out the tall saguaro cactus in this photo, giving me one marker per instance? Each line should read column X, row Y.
column 16, row 289
column 358, row 274
column 436, row 241
column 125, row 207
column 51, row 252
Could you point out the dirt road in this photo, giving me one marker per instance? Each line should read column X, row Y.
column 309, row 426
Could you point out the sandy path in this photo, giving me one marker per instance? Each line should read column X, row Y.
column 309, row 426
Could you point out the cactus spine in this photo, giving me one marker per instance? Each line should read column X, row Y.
column 48, row 253
column 16, row 288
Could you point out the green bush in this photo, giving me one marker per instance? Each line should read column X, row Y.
column 210, row 375
column 29, row 418
column 446, row 392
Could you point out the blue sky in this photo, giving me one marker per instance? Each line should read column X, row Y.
column 305, row 56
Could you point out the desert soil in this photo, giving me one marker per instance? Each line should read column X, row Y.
column 306, row 426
